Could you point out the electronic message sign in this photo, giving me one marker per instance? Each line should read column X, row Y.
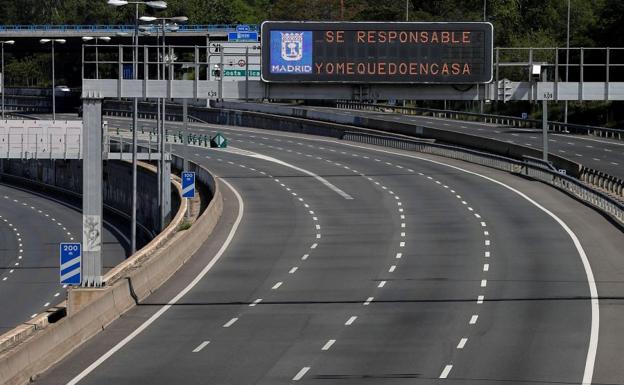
column 375, row 52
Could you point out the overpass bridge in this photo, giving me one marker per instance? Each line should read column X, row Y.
column 71, row 30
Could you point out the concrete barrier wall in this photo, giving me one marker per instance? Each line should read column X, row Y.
column 276, row 116
column 99, row 307
column 117, row 187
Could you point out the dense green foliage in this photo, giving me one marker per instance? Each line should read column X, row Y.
column 517, row 23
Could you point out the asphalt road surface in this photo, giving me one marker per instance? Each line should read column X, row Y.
column 348, row 264
column 598, row 153
column 31, row 228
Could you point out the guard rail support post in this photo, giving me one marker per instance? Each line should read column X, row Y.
column 92, row 192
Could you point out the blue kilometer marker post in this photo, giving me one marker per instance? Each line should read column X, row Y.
column 188, row 185
column 188, row 189
column 70, row 266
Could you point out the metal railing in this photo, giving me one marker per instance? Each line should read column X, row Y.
column 560, row 181
column 511, row 121
column 179, row 62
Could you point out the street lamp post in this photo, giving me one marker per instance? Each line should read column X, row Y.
column 565, row 108
column 97, row 38
column 53, row 41
column 484, row 10
column 9, row 42
column 158, row 5
column 406, row 10
column 161, row 129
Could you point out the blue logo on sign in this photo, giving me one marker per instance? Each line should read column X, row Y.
column 291, row 52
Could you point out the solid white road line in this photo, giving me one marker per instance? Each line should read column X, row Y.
column 281, row 162
column 593, row 291
column 201, row 346
column 351, row 320
column 593, row 342
column 328, row 345
column 446, row 371
column 162, row 310
column 301, row 373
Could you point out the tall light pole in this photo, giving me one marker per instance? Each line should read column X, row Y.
column 484, row 10
column 53, row 41
column 565, row 108
column 406, row 10
column 9, row 42
column 158, row 5
column 481, row 101
column 161, row 130
column 97, row 38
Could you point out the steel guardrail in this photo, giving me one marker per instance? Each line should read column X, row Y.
column 570, row 185
column 511, row 121
column 579, row 188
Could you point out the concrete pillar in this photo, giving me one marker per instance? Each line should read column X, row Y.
column 92, row 192
column 166, row 199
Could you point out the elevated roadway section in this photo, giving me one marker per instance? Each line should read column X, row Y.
column 340, row 262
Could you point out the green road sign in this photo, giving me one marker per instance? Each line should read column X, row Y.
column 218, row 141
column 241, row 73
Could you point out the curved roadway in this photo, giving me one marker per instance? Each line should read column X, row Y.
column 361, row 265
column 598, row 153
column 31, row 228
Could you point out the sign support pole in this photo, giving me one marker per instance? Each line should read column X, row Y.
column 545, row 122
column 92, row 191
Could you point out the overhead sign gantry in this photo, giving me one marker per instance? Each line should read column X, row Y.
column 365, row 52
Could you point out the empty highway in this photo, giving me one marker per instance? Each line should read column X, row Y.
column 31, row 228
column 342, row 263
column 598, row 153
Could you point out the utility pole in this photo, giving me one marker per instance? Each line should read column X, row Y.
column 565, row 108
column 545, row 120
column 406, row 10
